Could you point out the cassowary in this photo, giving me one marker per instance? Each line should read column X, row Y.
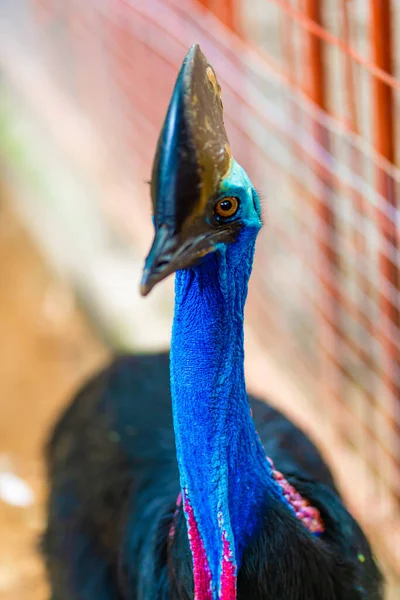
column 167, row 480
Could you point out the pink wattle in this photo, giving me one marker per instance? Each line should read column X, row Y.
column 307, row 514
column 228, row 573
column 201, row 568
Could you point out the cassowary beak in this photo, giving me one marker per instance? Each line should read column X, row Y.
column 192, row 158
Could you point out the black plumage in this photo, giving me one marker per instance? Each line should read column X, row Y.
column 115, row 481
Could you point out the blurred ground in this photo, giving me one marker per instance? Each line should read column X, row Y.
column 46, row 349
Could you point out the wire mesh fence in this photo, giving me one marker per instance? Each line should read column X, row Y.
column 311, row 93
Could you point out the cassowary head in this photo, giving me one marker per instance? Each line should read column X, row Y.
column 201, row 197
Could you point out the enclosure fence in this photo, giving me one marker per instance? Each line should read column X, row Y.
column 311, row 95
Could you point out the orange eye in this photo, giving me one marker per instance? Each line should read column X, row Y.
column 226, row 207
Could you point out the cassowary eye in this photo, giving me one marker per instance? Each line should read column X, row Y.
column 226, row 207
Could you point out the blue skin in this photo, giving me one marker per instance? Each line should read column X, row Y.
column 221, row 461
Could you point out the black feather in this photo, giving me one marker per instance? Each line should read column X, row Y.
column 114, row 484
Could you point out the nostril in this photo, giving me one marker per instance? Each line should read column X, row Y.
column 161, row 264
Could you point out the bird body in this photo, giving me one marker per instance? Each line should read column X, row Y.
column 168, row 481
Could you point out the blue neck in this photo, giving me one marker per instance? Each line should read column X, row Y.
column 223, row 469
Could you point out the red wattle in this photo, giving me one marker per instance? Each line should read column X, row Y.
column 201, row 568
column 228, row 574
